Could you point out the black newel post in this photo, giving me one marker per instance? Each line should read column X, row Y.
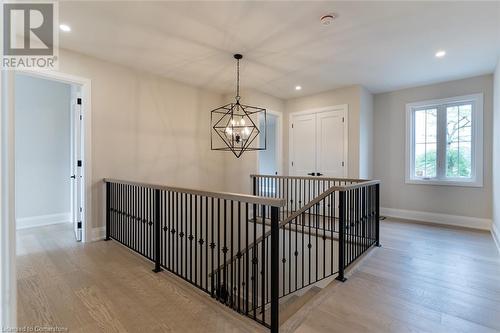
column 275, row 282
column 342, row 215
column 254, row 185
column 108, row 210
column 377, row 214
column 157, row 231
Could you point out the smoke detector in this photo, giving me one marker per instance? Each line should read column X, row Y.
column 327, row 19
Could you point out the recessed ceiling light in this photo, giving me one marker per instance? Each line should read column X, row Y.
column 65, row 27
column 298, row 88
column 440, row 54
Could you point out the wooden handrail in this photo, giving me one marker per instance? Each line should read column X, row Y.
column 252, row 199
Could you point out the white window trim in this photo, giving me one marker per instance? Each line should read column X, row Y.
column 477, row 142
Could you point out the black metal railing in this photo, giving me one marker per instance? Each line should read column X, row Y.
column 249, row 251
column 193, row 233
column 296, row 191
column 321, row 238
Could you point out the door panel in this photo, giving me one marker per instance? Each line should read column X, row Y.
column 76, row 166
column 303, row 145
column 330, row 143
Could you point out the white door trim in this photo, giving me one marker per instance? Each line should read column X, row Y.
column 87, row 139
column 340, row 107
column 8, row 290
column 279, row 143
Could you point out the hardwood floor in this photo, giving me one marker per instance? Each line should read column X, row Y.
column 104, row 287
column 423, row 279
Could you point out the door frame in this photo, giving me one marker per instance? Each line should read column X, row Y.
column 86, row 108
column 340, row 107
column 8, row 290
column 279, row 142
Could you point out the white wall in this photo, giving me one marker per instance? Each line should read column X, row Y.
column 42, row 143
column 366, row 134
column 496, row 158
column 359, row 101
column 146, row 128
column 389, row 156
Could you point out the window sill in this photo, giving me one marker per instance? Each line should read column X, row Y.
column 436, row 182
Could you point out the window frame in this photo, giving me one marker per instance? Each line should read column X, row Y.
column 476, row 179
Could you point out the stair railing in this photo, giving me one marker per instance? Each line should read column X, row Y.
column 247, row 251
column 318, row 239
column 191, row 233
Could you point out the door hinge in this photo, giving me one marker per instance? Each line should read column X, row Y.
column 342, row 163
column 292, row 125
column 81, row 117
column 81, row 210
column 342, row 119
column 79, row 225
column 79, row 163
column 292, row 163
column 79, row 101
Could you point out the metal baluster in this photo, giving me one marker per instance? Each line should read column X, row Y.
column 195, row 240
column 341, row 242
column 218, row 246
column 263, row 265
column 238, row 255
column 247, row 257
column 212, row 244
column 157, row 231
column 274, row 270
column 225, row 283
column 377, row 214
column 176, row 230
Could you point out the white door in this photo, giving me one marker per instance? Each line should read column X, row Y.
column 318, row 144
column 76, row 165
column 304, row 145
column 330, row 144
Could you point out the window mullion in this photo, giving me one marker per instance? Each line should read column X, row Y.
column 441, row 142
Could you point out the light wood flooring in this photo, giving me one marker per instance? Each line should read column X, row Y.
column 423, row 279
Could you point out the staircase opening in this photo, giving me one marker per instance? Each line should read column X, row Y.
column 248, row 252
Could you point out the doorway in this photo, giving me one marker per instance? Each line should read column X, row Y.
column 49, row 170
column 318, row 142
column 269, row 159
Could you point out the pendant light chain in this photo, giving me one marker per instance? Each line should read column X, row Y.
column 238, row 80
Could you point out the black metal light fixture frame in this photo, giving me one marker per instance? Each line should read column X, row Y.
column 238, row 125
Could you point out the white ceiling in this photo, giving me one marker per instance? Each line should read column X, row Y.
column 381, row 45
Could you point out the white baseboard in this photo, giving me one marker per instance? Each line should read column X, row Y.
column 454, row 220
column 495, row 232
column 38, row 221
column 98, row 233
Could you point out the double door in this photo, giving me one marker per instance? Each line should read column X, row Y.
column 319, row 143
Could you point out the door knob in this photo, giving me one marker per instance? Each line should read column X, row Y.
column 319, row 174
column 311, row 173
column 74, row 177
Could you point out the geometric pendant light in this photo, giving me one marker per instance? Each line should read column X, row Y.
column 237, row 127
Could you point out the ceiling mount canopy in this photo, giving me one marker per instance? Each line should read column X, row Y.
column 237, row 127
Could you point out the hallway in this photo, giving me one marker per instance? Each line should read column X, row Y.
column 424, row 278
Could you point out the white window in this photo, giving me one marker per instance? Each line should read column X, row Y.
column 444, row 141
